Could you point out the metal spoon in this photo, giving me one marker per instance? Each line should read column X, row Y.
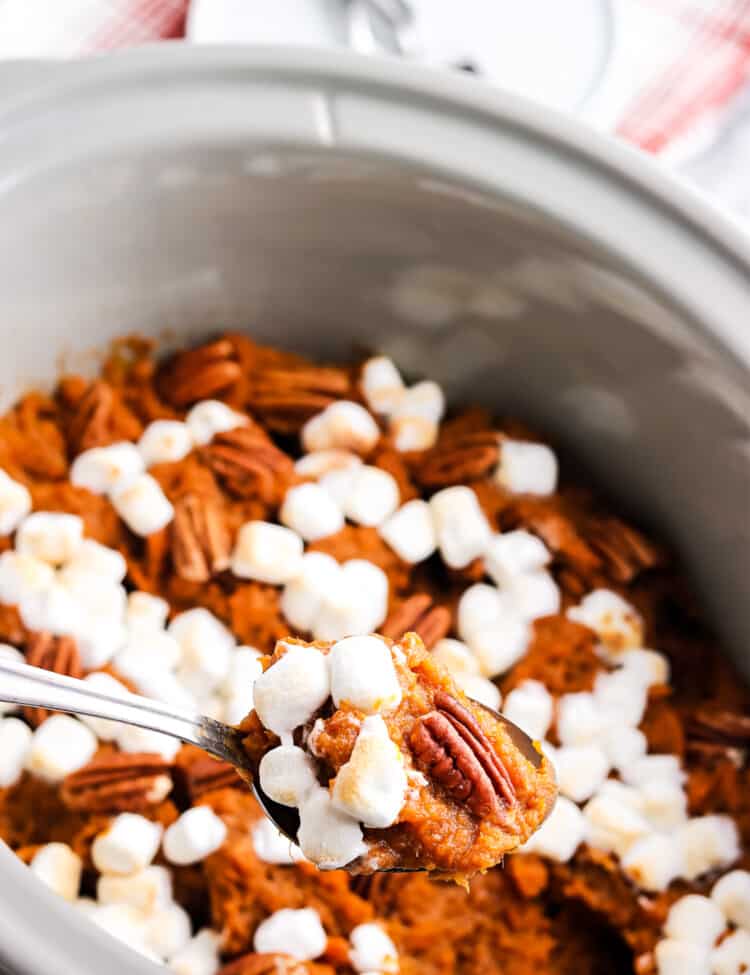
column 34, row 687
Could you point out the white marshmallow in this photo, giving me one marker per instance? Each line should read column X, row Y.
column 424, row 400
column 124, row 922
column 627, row 795
column 50, row 536
column 371, row 786
column 515, row 553
column 618, row 624
column 680, row 958
column 327, row 836
column 55, row 610
column 480, row 606
column 303, row 596
column 244, row 669
column 168, row 930
column 57, row 866
column 654, row 768
column 15, row 503
column 148, row 889
column 165, row 441
column 653, row 861
column 209, row 417
column 289, row 932
column 59, row 745
column 560, row 834
column 480, row 689
column 309, row 510
column 358, row 605
column 695, row 919
column 456, row 657
column 143, row 506
column 413, row 433
column 292, row 689
column 732, row 957
column 340, row 483
column 102, row 470
column 94, row 593
column 647, row 666
column 131, row 739
column 527, row 468
column 373, row 496
column 500, row 646
column 581, row 770
column 624, row 746
column 344, row 425
column 267, row 553
column 152, row 679
column 363, row 675
column 22, row 576
column 534, row 595
column 271, row 846
column 200, row 956
column 206, row 646
column 197, row 833
column 732, row 894
column 530, row 706
column 372, row 950
column 287, row 774
column 146, row 612
column 163, row 650
column 99, row 560
column 322, row 462
column 664, row 804
column 382, row 385
column 461, row 527
column 410, row 531
column 15, row 741
column 614, row 825
column 99, row 639
column 708, row 843
column 621, row 696
column 128, row 846
column 105, row 684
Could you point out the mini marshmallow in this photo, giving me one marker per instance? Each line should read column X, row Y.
column 291, row 691
column 15, row 503
column 309, row 510
column 148, row 889
column 267, row 553
column 413, row 433
column 287, row 774
column 15, row 741
column 695, row 919
column 618, row 624
column 143, row 506
column 708, row 843
column 480, row 689
column 373, row 496
column 163, row 650
column 200, row 956
column 560, row 834
column 382, row 385
column 410, row 531
column 322, row 462
column 680, row 958
column 624, row 746
column 455, row 656
column 371, row 786
column 534, row 595
column 206, row 646
column 93, row 558
column 654, row 768
column 209, row 417
column 131, row 739
column 94, row 593
column 732, row 957
column 327, row 836
column 50, row 536
column 146, row 612
column 480, row 606
column 54, row 609
column 647, row 666
column 732, row 894
column 344, row 425
column 22, row 576
column 99, row 639
column 165, row 441
column 358, row 605
column 298, row 933
column 653, row 861
column 303, row 597
column 621, row 793
column 461, row 527
column 515, row 553
column 527, row 468
column 271, row 846
column 153, row 680
column 424, row 400
column 372, row 950
column 124, row 922
column 340, row 483
column 57, row 866
column 197, row 833
column 168, row 930
column 363, row 674
column 106, row 684
column 128, row 846
column 102, row 470
column 664, row 804
column 581, row 770
column 621, row 696
column 530, row 706
column 500, row 646
column 244, row 669
column 614, row 825
column 60, row 745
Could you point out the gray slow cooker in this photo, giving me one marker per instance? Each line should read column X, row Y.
column 329, row 203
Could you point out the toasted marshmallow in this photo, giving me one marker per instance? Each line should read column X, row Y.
column 614, row 826
column 527, row 468
column 344, row 425
column 695, row 919
column 560, row 834
column 146, row 612
column 708, row 843
column 99, row 639
column 732, row 894
column 358, row 605
column 55, row 610
column 664, row 804
column 311, row 512
column 197, row 833
column 130, row 739
column 15, row 741
column 200, row 956
column 165, row 441
column 102, row 470
column 209, row 417
column 410, row 531
column 413, row 433
column 372, row 497
column 624, row 746
column 480, row 689
column 129, row 845
column 168, row 930
column 22, row 576
column 530, row 706
column 287, row 774
column 267, row 553
column 424, row 400
column 206, row 646
column 50, row 536
column 288, row 932
column 534, row 595
column 382, row 385
column 653, row 861
column 271, row 846
column 105, row 684
column 327, row 836
column 143, row 506
column 59, row 745
column 580, row 719
column 732, row 957
column 363, row 675
column 372, row 950
column 319, row 463
column 680, row 958
column 57, row 866
column 371, row 786
column 291, row 691
column 91, row 559
column 148, row 889
column 654, row 768
column 581, row 770
column 15, row 503
column 618, row 624
column 461, row 527
column 515, row 553
column 303, row 596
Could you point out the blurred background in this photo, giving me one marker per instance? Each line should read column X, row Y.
column 669, row 76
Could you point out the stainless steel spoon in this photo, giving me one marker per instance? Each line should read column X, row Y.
column 34, row 687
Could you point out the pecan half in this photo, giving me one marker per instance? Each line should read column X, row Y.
column 59, row 654
column 720, row 725
column 625, row 551
column 120, row 782
column 285, row 399
column 460, row 459
column 249, row 465
column 200, row 538
column 254, row 964
column 200, row 373
column 418, row 614
column 205, row 774
column 451, row 747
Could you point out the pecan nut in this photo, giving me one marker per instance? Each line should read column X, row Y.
column 205, row 774
column 249, row 465
column 720, row 725
column 419, row 615
column 459, row 460
column 59, row 654
column 285, row 399
column 625, row 551
column 451, row 747
column 201, row 373
column 200, row 538
column 255, row 964
column 120, row 782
